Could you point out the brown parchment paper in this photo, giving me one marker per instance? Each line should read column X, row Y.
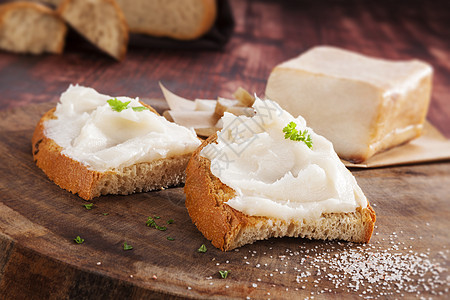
column 431, row 146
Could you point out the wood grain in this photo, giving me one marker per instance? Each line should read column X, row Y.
column 38, row 220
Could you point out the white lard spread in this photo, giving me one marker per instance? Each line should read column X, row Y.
column 91, row 132
column 278, row 177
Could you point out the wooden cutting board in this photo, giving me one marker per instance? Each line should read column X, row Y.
column 40, row 260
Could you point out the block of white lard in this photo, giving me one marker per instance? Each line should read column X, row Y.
column 363, row 105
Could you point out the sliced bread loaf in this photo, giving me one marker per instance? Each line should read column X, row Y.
column 27, row 27
column 272, row 198
column 179, row 19
column 90, row 150
column 99, row 21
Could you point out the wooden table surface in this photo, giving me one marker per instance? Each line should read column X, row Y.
column 412, row 202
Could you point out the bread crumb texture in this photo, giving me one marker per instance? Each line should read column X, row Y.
column 179, row 19
column 32, row 28
column 100, row 21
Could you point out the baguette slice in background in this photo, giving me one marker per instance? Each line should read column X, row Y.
column 89, row 149
column 99, row 21
column 27, row 27
column 248, row 183
column 178, row 19
column 363, row 105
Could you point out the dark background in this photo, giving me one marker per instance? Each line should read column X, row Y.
column 266, row 33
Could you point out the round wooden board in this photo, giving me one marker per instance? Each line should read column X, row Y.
column 40, row 260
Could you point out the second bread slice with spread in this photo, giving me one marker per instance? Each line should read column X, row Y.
column 271, row 176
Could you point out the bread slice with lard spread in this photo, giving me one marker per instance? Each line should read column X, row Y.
column 92, row 144
column 271, row 176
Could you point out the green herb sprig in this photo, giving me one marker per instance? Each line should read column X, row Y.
column 224, row 273
column 152, row 223
column 118, row 105
column 78, row 240
column 88, row 206
column 127, row 247
column 290, row 132
column 202, row 249
column 139, row 108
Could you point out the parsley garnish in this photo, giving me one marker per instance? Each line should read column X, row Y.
column 88, row 206
column 170, row 238
column 290, row 132
column 202, row 248
column 224, row 274
column 127, row 247
column 78, row 240
column 140, row 108
column 170, row 221
column 151, row 223
column 105, row 214
column 156, row 217
column 118, row 105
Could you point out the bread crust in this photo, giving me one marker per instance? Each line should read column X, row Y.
column 64, row 171
column 75, row 177
column 122, row 28
column 23, row 4
column 7, row 7
column 225, row 226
